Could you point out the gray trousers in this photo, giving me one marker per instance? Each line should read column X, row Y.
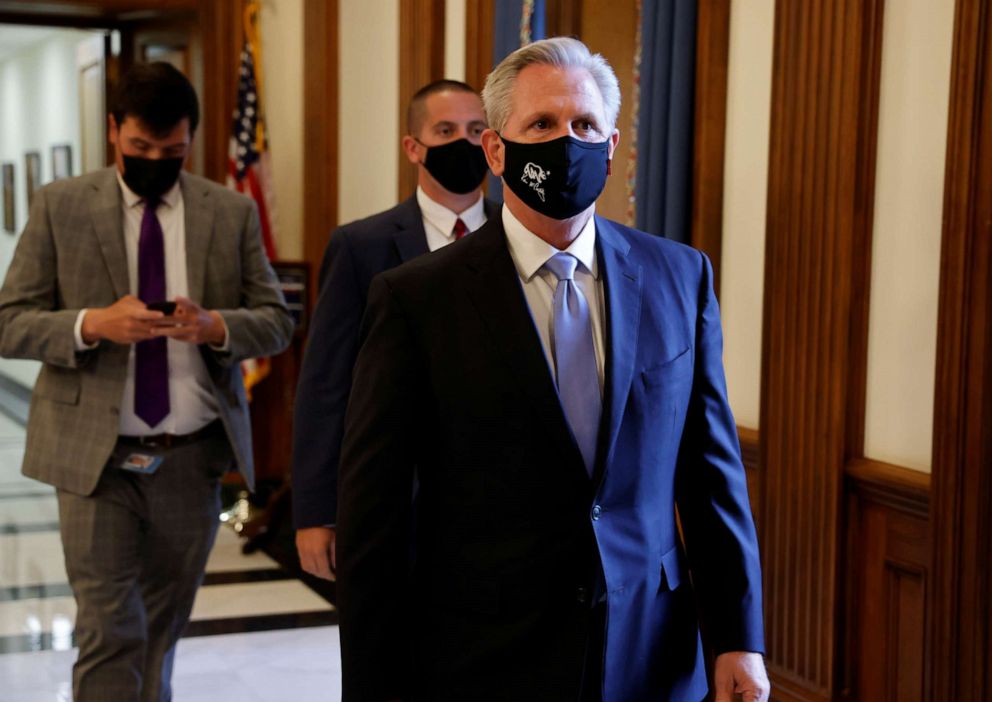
column 135, row 552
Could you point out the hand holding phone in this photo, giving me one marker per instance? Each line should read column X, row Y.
column 166, row 307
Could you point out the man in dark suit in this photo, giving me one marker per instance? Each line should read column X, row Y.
column 444, row 123
column 138, row 412
column 556, row 383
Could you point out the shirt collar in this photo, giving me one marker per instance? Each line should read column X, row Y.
column 131, row 199
column 444, row 219
column 530, row 252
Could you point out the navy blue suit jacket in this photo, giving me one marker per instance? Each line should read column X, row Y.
column 355, row 254
column 511, row 534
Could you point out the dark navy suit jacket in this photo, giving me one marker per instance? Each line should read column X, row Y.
column 355, row 254
column 511, row 535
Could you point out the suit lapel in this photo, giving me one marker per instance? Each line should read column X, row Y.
column 199, row 223
column 410, row 237
column 494, row 288
column 108, row 223
column 622, row 284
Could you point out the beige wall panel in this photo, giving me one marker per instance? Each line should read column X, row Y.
column 454, row 41
column 744, row 202
column 282, row 58
column 909, row 187
column 369, row 85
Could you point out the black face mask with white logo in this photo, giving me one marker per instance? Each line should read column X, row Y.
column 151, row 177
column 558, row 178
column 459, row 166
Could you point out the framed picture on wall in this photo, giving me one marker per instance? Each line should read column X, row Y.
column 32, row 171
column 8, row 198
column 61, row 161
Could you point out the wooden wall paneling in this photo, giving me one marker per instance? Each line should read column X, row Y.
column 320, row 130
column 864, row 210
column 750, row 455
column 960, row 656
column 478, row 41
column 563, row 18
column 421, row 61
column 824, row 67
column 888, row 549
column 712, row 53
column 222, row 30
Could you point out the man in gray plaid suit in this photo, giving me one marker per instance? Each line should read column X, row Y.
column 140, row 288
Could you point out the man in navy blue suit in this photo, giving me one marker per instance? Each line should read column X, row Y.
column 445, row 122
column 555, row 383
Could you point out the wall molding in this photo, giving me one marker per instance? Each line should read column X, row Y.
column 320, row 130
column 478, row 42
column 421, row 61
column 892, row 486
column 824, row 99
column 887, row 556
column 960, row 654
column 710, row 129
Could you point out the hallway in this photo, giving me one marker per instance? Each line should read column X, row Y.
column 257, row 634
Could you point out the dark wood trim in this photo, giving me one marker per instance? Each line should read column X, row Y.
column 478, row 41
column 421, row 61
column 863, row 221
column 222, row 31
column 750, row 456
column 887, row 558
column 824, row 97
column 750, row 447
column 710, row 127
column 960, row 655
column 890, row 485
column 320, row 129
column 563, row 18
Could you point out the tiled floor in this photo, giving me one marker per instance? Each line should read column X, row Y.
column 256, row 633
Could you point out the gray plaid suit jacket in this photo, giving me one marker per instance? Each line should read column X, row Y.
column 71, row 256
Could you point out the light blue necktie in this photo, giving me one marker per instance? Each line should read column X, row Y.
column 575, row 357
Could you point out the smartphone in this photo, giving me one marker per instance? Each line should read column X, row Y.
column 167, row 308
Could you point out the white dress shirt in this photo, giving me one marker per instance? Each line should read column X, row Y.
column 529, row 253
column 191, row 399
column 439, row 221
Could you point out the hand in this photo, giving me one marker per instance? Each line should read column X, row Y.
column 740, row 672
column 193, row 324
column 316, row 546
column 127, row 321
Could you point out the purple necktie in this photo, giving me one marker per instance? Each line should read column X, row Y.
column 151, row 359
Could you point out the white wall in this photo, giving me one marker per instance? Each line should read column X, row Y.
column 744, row 201
column 454, row 41
column 369, row 108
column 909, row 186
column 282, row 63
column 39, row 107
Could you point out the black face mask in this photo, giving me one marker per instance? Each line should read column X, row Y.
column 558, row 178
column 151, row 177
column 459, row 166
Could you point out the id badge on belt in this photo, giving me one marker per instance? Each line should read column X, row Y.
column 141, row 463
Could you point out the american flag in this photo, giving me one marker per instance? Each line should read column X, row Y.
column 247, row 157
column 248, row 173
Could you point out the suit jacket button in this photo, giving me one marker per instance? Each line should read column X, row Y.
column 597, row 511
column 581, row 595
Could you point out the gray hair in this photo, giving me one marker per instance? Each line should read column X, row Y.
column 561, row 52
